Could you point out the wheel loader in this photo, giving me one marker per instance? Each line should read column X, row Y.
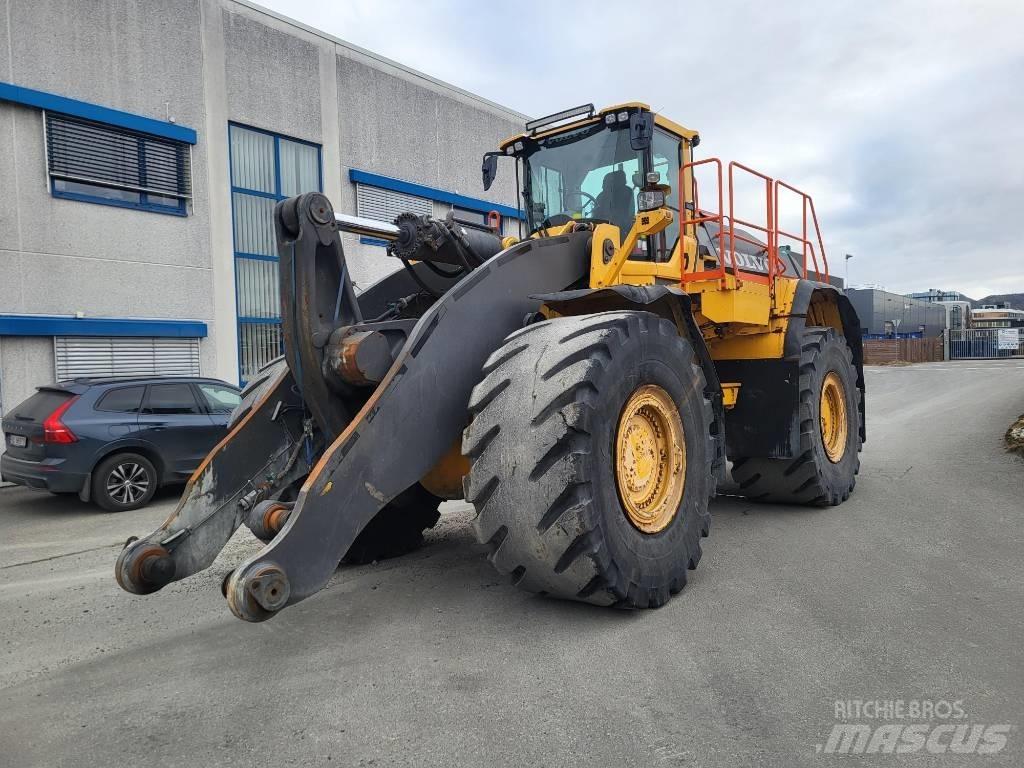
column 583, row 383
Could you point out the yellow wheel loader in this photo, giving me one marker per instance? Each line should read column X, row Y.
column 582, row 385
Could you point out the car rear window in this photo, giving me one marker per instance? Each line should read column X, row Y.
column 41, row 404
column 122, row 400
column 171, row 399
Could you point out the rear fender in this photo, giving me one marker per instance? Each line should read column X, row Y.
column 141, row 447
column 766, row 420
column 820, row 304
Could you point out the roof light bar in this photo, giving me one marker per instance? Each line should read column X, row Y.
column 540, row 122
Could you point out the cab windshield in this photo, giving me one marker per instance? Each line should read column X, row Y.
column 589, row 173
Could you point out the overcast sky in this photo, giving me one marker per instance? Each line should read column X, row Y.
column 904, row 120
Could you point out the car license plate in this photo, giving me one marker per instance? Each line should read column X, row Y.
column 18, row 441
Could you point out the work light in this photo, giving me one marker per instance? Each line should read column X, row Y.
column 649, row 199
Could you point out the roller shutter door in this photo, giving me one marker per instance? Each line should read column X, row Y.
column 78, row 356
column 385, row 205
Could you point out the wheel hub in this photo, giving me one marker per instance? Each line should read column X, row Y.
column 127, row 483
column 650, row 459
column 834, row 421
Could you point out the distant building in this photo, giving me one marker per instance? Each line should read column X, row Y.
column 958, row 314
column 958, row 307
column 997, row 316
column 885, row 315
column 935, row 296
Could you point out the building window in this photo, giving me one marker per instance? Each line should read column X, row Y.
column 79, row 356
column 265, row 168
column 98, row 163
column 956, row 318
column 385, row 205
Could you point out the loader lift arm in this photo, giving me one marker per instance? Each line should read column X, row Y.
column 380, row 442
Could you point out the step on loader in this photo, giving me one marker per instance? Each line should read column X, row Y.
column 582, row 384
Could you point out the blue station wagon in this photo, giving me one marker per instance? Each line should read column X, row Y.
column 115, row 441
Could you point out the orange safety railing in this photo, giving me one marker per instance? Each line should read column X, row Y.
column 728, row 262
column 702, row 218
column 806, row 244
column 769, row 218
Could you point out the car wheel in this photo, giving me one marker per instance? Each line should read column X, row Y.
column 124, row 481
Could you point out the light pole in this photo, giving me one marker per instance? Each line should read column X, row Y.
column 846, row 280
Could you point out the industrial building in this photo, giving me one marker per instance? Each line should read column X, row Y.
column 997, row 316
column 935, row 295
column 958, row 307
column 143, row 147
column 891, row 315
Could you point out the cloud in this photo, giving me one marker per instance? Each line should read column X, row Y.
column 904, row 119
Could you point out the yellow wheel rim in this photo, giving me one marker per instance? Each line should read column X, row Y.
column 834, row 421
column 650, row 459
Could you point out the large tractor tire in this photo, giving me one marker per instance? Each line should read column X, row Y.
column 592, row 459
column 397, row 529
column 824, row 471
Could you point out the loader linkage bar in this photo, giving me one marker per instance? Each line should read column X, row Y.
column 262, row 452
column 372, row 445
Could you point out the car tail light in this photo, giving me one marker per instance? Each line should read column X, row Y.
column 55, row 430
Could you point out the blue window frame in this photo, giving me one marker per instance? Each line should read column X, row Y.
column 97, row 163
column 265, row 169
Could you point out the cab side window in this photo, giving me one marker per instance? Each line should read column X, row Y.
column 666, row 151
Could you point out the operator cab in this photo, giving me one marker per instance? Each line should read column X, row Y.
column 593, row 166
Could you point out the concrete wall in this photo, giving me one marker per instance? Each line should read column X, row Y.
column 377, row 104
column 27, row 362
column 63, row 256
column 203, row 63
column 365, row 112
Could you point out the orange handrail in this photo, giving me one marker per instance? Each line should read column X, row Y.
column 727, row 223
column 808, row 204
column 767, row 228
column 719, row 272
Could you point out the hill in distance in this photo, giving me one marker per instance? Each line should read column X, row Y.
column 1016, row 300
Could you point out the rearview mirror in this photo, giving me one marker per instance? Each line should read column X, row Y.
column 641, row 129
column 489, row 169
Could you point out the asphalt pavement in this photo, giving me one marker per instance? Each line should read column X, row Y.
column 911, row 591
